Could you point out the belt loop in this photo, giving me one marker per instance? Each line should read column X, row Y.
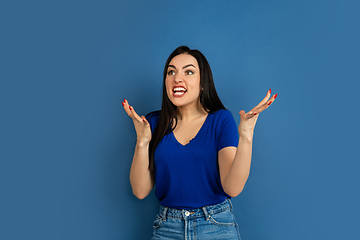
column 164, row 213
column 207, row 216
column 231, row 206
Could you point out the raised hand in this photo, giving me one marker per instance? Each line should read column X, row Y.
column 142, row 126
column 248, row 120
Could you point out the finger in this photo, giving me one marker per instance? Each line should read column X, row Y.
column 266, row 104
column 246, row 116
column 135, row 115
column 272, row 99
column 125, row 105
column 266, row 98
column 131, row 112
column 145, row 120
column 127, row 108
column 242, row 113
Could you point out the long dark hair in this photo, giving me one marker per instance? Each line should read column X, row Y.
column 209, row 99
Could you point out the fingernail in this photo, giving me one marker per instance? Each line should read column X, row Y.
column 144, row 120
column 275, row 96
column 130, row 107
column 255, row 113
column 270, row 90
column 124, row 99
column 123, row 103
column 269, row 102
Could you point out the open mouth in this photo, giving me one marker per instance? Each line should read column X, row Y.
column 179, row 91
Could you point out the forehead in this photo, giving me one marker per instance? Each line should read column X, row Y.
column 183, row 59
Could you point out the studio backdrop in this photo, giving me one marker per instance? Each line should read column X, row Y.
column 67, row 144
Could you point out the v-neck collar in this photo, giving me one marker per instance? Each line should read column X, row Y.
column 194, row 138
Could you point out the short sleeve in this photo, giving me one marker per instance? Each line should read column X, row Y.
column 153, row 119
column 228, row 133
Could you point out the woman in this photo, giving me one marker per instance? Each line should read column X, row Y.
column 195, row 152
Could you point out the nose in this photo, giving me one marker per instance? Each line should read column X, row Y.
column 177, row 78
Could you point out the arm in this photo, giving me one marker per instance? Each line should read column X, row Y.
column 234, row 163
column 141, row 177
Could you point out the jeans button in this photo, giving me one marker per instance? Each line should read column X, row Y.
column 187, row 213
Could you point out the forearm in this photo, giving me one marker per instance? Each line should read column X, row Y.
column 141, row 177
column 240, row 169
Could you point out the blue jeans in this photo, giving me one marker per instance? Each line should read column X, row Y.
column 209, row 222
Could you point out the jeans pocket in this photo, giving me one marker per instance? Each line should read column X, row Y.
column 223, row 219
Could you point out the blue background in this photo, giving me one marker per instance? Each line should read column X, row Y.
column 67, row 145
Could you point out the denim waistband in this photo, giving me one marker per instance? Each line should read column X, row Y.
column 206, row 211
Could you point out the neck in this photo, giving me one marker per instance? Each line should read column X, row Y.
column 190, row 112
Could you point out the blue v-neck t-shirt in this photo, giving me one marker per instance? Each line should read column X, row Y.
column 187, row 176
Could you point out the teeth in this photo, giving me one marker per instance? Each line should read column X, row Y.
column 179, row 89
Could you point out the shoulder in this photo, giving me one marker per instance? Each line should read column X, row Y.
column 223, row 120
column 154, row 114
column 153, row 118
column 225, row 129
column 222, row 114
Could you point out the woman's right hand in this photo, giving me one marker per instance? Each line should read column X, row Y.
column 142, row 126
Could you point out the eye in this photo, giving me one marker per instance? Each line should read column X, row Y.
column 171, row 72
column 189, row 72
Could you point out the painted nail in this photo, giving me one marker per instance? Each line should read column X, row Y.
column 123, row 103
column 255, row 113
column 275, row 96
column 269, row 102
column 270, row 90
column 130, row 108
column 124, row 99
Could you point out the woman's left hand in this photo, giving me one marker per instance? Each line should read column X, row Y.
column 248, row 120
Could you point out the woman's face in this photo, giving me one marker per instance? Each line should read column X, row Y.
column 183, row 81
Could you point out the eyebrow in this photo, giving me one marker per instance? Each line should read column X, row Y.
column 189, row 65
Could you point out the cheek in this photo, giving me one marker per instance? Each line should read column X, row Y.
column 168, row 88
column 167, row 85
